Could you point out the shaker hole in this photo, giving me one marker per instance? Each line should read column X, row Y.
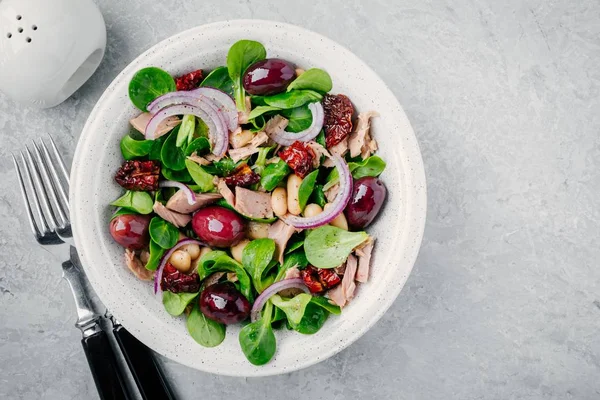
column 19, row 17
column 28, row 40
column 34, row 27
column 9, row 35
column 20, row 30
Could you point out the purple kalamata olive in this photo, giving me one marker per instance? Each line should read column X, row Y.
column 367, row 198
column 223, row 303
column 131, row 230
column 218, row 226
column 269, row 76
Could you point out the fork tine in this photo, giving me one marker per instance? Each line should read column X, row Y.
column 49, row 185
column 56, row 178
column 63, row 205
column 61, row 162
column 40, row 191
column 36, row 202
column 32, row 223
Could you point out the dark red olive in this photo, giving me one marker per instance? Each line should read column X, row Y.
column 131, row 230
column 218, row 226
column 269, row 76
column 223, row 303
column 367, row 198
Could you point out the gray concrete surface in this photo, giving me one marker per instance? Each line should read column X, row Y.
column 504, row 301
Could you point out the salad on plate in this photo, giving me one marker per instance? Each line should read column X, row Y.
column 247, row 192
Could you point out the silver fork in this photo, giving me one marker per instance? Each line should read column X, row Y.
column 44, row 192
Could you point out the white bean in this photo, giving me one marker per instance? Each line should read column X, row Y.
column 204, row 250
column 293, row 184
column 258, row 230
column 339, row 221
column 192, row 249
column 312, row 209
column 279, row 201
column 237, row 250
column 181, row 260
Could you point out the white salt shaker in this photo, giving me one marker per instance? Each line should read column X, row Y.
column 48, row 48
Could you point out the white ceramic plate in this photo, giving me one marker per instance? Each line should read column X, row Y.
column 398, row 230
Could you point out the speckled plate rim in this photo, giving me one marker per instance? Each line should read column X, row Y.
column 130, row 300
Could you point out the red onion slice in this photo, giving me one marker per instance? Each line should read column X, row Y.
column 295, row 283
column 286, row 138
column 189, row 193
column 172, row 98
column 224, row 104
column 159, row 272
column 203, row 110
column 337, row 206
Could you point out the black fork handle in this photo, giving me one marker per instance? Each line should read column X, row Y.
column 103, row 364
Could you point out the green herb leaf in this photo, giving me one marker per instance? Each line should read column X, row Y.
column 318, row 196
column 179, row 176
column 326, row 305
column 256, row 259
column 313, row 319
column 306, row 188
column 296, row 242
column 260, row 110
column 293, row 308
column 295, row 259
column 172, row 156
column 149, row 83
column 321, row 138
column 199, row 145
column 175, row 303
column 370, row 166
column 140, row 202
column 240, row 56
column 315, row 79
column 186, row 130
column 219, row 79
column 121, row 211
column 157, row 145
column 293, row 99
column 222, row 167
column 131, row 148
column 156, row 253
column 219, row 261
column 273, row 174
column 328, row 246
column 206, row 332
column 202, row 178
column 257, row 339
column 299, row 118
column 163, row 233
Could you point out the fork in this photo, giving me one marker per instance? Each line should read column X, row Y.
column 47, row 210
column 51, row 205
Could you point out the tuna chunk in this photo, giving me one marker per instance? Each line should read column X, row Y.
column 140, row 122
column 253, row 204
column 225, row 191
column 344, row 292
column 360, row 141
column 179, row 202
column 364, row 261
column 177, row 219
column 339, row 149
column 281, row 233
column 276, row 125
column 136, row 267
column 244, row 152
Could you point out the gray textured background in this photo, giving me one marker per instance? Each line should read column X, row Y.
column 504, row 300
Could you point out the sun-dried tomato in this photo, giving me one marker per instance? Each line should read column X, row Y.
column 318, row 280
column 338, row 118
column 242, row 176
column 139, row 175
column 299, row 156
column 189, row 81
column 178, row 282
